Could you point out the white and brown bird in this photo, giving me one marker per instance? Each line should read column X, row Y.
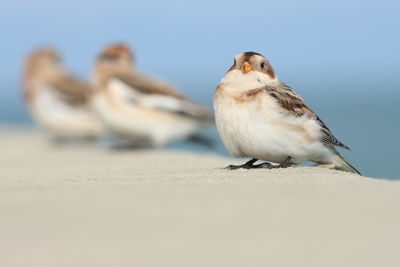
column 58, row 101
column 260, row 117
column 140, row 110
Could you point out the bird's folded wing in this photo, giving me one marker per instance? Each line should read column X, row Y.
column 147, row 85
column 154, row 94
column 294, row 105
column 72, row 91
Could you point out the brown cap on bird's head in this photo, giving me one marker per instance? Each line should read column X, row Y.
column 117, row 53
column 42, row 60
column 116, row 58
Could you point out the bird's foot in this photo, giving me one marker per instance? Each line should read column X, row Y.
column 284, row 164
column 249, row 165
column 265, row 165
column 287, row 163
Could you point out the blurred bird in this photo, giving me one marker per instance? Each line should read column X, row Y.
column 141, row 110
column 58, row 101
column 260, row 117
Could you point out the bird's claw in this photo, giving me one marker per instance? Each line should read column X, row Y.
column 249, row 165
column 265, row 165
column 284, row 164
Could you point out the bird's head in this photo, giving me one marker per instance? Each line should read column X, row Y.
column 250, row 70
column 42, row 61
column 117, row 54
column 248, row 62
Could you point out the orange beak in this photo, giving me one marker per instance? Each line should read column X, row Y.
column 246, row 67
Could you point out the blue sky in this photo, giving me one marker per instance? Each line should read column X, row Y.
column 318, row 47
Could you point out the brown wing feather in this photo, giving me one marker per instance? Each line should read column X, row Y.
column 147, row 85
column 150, row 86
column 71, row 90
column 294, row 105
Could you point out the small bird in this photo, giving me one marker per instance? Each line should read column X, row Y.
column 139, row 110
column 260, row 117
column 58, row 101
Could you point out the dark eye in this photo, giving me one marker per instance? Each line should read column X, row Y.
column 262, row 64
column 234, row 62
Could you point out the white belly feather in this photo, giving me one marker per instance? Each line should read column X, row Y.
column 256, row 129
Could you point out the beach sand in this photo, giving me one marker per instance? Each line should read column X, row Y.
column 89, row 206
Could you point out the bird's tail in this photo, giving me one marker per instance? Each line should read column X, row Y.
column 342, row 164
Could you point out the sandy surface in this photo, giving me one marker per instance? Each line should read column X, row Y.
column 88, row 206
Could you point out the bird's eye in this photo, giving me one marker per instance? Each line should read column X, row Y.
column 234, row 62
column 262, row 64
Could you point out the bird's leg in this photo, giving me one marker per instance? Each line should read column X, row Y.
column 247, row 165
column 284, row 164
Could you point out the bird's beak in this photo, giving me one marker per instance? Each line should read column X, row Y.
column 246, row 67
